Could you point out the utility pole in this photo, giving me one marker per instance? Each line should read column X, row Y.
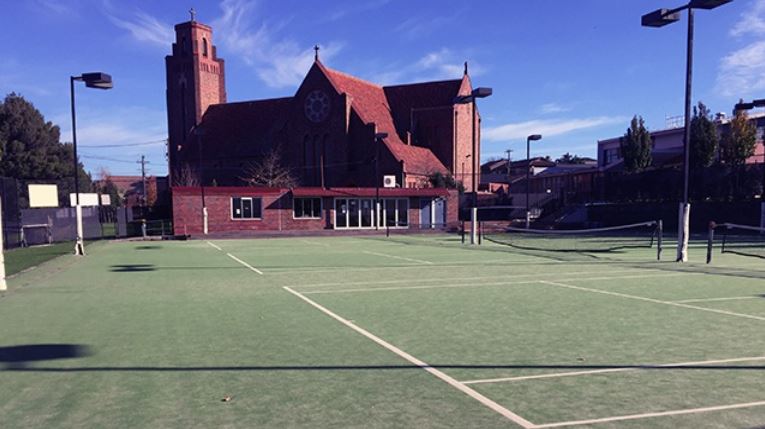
column 144, row 195
column 509, row 151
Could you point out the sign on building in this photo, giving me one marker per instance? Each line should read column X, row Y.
column 42, row 195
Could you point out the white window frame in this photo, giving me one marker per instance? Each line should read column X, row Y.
column 384, row 217
column 321, row 208
column 231, row 208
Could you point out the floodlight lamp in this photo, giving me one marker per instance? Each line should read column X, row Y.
column 659, row 18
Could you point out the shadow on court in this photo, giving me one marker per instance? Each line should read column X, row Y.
column 18, row 356
column 142, row 268
column 148, row 247
column 389, row 367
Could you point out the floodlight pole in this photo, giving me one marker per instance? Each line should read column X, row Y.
column 79, row 245
column 3, row 285
column 534, row 137
column 378, row 141
column 96, row 80
column 683, row 229
column 660, row 18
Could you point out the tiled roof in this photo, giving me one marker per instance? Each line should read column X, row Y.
column 241, row 129
column 371, row 104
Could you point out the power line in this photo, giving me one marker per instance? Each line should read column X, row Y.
column 149, row 143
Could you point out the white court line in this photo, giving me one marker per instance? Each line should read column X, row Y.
column 657, row 301
column 462, row 285
column 608, row 370
column 732, row 298
column 441, row 375
column 472, row 278
column 420, row 261
column 315, row 243
column 245, row 264
column 214, row 245
column 647, row 415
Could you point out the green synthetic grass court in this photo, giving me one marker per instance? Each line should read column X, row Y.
column 410, row 331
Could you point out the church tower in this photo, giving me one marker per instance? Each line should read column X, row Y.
column 195, row 80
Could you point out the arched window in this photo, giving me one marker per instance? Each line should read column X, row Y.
column 204, row 47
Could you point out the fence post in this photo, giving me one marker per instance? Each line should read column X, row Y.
column 3, row 285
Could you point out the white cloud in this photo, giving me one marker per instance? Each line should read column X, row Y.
column 547, row 127
column 143, row 27
column 741, row 73
column 549, row 108
column 354, row 8
column 279, row 63
column 436, row 65
column 752, row 21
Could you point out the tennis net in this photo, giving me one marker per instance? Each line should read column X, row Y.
column 609, row 239
column 743, row 240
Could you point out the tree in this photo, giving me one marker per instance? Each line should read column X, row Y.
column 636, row 146
column 440, row 180
column 568, row 158
column 269, row 172
column 106, row 186
column 31, row 151
column 185, row 176
column 704, row 138
column 740, row 140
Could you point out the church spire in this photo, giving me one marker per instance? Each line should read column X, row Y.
column 466, row 69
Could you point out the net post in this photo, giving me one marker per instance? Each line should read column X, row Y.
column 659, row 238
column 710, row 240
column 462, row 231
column 480, row 232
column 725, row 238
column 387, row 230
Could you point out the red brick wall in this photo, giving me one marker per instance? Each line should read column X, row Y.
column 276, row 209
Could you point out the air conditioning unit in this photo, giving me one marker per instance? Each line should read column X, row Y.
column 389, row 181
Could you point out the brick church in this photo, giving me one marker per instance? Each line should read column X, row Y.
column 329, row 134
column 325, row 132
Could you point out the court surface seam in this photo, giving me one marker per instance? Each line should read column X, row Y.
column 437, row 373
column 657, row 301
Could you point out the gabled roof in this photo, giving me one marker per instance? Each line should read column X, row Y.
column 403, row 99
column 369, row 101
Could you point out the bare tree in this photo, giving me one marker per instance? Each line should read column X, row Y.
column 185, row 176
column 269, row 172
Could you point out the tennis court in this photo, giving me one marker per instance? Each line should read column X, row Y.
column 403, row 331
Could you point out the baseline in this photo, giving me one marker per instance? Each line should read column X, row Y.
column 439, row 374
column 700, row 365
column 657, row 301
column 461, row 285
column 732, row 298
column 647, row 415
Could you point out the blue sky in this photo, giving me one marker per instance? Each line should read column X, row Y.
column 575, row 72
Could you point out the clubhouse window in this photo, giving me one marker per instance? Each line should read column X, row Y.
column 306, row 208
column 246, row 208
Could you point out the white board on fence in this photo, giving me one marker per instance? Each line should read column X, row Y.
column 42, row 195
column 85, row 199
column 106, row 200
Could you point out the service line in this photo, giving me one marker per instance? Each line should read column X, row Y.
column 439, row 374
